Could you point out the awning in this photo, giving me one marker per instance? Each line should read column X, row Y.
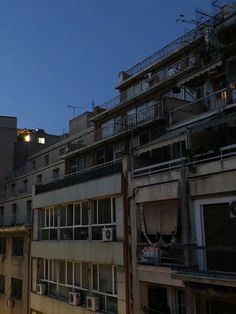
column 167, row 139
column 161, row 217
column 200, row 72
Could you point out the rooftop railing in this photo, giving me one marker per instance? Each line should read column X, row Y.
column 178, row 44
column 168, row 72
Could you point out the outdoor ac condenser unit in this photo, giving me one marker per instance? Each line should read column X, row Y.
column 41, row 288
column 93, row 304
column 107, row 234
column 74, row 298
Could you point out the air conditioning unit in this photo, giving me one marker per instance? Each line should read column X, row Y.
column 107, row 234
column 10, row 303
column 74, row 298
column 232, row 209
column 93, row 304
column 41, row 288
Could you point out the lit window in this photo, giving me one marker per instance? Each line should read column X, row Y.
column 27, row 138
column 41, row 140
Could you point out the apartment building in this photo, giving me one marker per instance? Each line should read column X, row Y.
column 18, row 174
column 134, row 211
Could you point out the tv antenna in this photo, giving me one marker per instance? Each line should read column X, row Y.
column 74, row 107
column 183, row 19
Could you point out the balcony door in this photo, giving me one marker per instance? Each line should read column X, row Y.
column 220, row 237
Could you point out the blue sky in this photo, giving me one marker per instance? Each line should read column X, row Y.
column 55, row 53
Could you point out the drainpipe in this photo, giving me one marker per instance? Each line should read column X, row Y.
column 126, row 235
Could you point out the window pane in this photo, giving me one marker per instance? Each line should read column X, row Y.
column 2, row 284
column 16, row 288
column 85, row 272
column 114, row 209
column 69, row 273
column 62, row 271
column 94, row 213
column 85, row 213
column 95, row 278
column 70, row 215
column 77, row 214
column 63, row 216
column 105, row 278
column 104, row 211
column 46, row 269
column 77, row 274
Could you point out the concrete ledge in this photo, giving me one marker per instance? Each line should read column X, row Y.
column 82, row 251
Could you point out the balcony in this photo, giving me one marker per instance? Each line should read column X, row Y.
column 23, row 218
column 172, row 255
column 177, row 70
column 174, row 47
column 85, row 175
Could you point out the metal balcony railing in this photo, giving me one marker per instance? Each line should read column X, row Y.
column 197, row 159
column 130, row 122
column 217, row 258
column 178, row 44
column 105, row 169
column 178, row 68
column 160, row 255
column 21, row 218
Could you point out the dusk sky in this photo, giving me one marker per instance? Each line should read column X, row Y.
column 55, row 53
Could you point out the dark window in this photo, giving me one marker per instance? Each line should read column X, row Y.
column 13, row 189
column 17, row 246
column 16, row 288
column 33, row 164
column 29, row 211
column 144, row 138
column 2, row 284
column 39, row 178
column 14, row 213
column 61, row 151
column 25, row 185
column 55, row 173
column 100, row 156
column 104, row 211
column 2, row 246
column 46, row 160
column 1, row 215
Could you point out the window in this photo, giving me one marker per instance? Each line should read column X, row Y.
column 39, row 179
column 2, row 284
column 55, row 173
column 49, row 223
column 13, row 189
column 16, row 288
column 61, row 151
column 103, row 215
column 29, row 211
column 104, row 155
column 74, row 221
column 2, row 246
column 41, row 140
column 14, row 213
column 1, row 215
column 25, row 185
column 17, row 246
column 46, row 160
column 33, row 164
column 63, row 276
